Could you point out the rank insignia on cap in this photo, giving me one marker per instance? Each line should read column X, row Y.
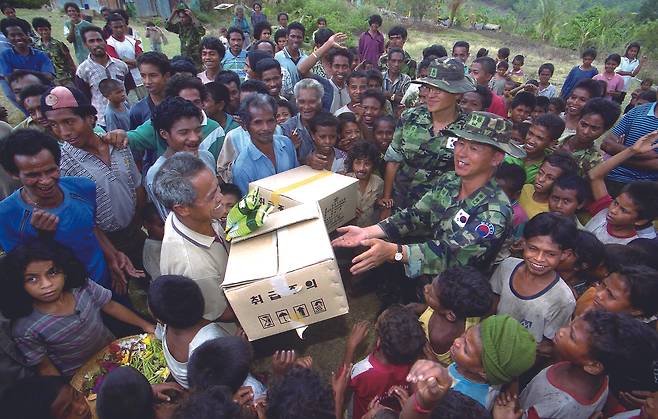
column 51, row 100
column 485, row 230
column 461, row 218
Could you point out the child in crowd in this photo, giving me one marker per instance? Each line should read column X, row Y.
column 55, row 309
column 577, row 263
column 117, row 110
column 629, row 215
column 324, row 131
column 545, row 87
column 520, row 131
column 156, row 35
column 521, row 107
column 349, row 130
column 569, row 194
column 284, row 111
column 230, row 196
column 530, row 289
column 49, row 397
column 511, row 178
column 362, row 160
column 556, row 106
column 580, row 72
column 596, row 351
column 153, row 244
column 614, row 82
column 640, row 97
column 383, row 130
column 542, row 135
column 503, row 54
column 400, row 341
column 454, row 301
column 373, row 103
column 541, row 107
column 596, row 118
column 497, row 82
column 357, row 83
column 534, row 196
column 516, row 74
column 583, row 91
column 57, row 51
column 632, row 289
column 510, row 85
column 478, row 100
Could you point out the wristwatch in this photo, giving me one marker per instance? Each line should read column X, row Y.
column 398, row 255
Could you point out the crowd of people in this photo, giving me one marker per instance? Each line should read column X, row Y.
column 506, row 225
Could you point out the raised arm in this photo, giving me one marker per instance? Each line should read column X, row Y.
column 304, row 67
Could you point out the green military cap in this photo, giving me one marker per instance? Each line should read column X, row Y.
column 448, row 75
column 488, row 128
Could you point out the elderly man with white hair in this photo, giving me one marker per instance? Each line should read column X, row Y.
column 308, row 98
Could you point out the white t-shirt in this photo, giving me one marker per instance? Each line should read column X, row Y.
column 627, row 65
column 126, row 50
column 344, row 109
column 598, row 226
column 542, row 314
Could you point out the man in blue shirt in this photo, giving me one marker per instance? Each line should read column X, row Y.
column 267, row 154
column 235, row 57
column 21, row 56
column 291, row 54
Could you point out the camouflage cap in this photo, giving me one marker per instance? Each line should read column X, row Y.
column 488, row 128
column 447, row 74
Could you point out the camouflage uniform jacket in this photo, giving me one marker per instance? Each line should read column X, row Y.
column 58, row 52
column 457, row 233
column 423, row 156
column 408, row 68
column 190, row 39
column 586, row 158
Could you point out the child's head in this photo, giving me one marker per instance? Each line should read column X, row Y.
column 587, row 253
column 323, row 128
column 362, row 159
column 178, row 123
column 597, row 116
column 509, row 86
column 482, row 52
column 556, row 105
column 612, row 62
column 541, row 107
column 43, row 397
column 42, row 26
column 219, row 362
column 284, row 111
column 632, row 289
column 554, row 166
column 569, row 194
column 517, row 62
column 373, row 103
column 153, row 223
column 113, row 91
column 547, row 236
column 460, row 51
column 125, row 394
column 375, row 79
column 357, row 83
column 501, row 68
column 498, row 349
column 458, row 293
column 636, row 205
column 349, row 131
column 542, row 134
column 230, row 196
column 545, row 72
column 456, row 405
column 520, row 131
column 477, row 100
column 503, row 54
column 521, row 107
column 383, row 130
column 588, row 56
column 155, row 70
column 617, row 256
column 434, row 51
column 400, row 337
column 300, row 394
column 211, row 403
column 511, row 178
column 38, row 271
column 647, row 96
column 646, row 84
column 584, row 90
column 176, row 301
column 649, row 246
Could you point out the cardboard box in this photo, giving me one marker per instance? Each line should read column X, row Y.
column 336, row 194
column 284, row 275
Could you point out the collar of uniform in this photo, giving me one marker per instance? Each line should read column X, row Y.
column 484, row 194
column 190, row 235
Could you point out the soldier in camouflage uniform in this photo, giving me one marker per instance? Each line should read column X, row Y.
column 418, row 155
column 586, row 156
column 189, row 30
column 463, row 220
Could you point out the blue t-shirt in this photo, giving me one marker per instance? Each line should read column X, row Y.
column 483, row 393
column 574, row 76
column 639, row 121
column 74, row 230
column 35, row 60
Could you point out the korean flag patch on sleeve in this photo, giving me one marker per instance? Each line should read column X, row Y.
column 485, row 230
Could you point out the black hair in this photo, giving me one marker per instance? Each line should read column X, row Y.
column 323, row 119
column 423, row 64
column 633, row 44
column 217, row 91
column 150, row 213
column 124, row 14
column 648, row 95
column 461, row 44
column 560, row 229
column 383, row 118
column 171, row 110
column 436, row 51
column 291, row 107
column 234, row 29
column 618, row 256
column 15, row 302
column 211, row 42
column 280, row 33
column 32, row 397
column 485, row 95
column 542, row 102
column 392, row 51
column 256, row 100
column 219, row 362
column 156, row 59
column 401, row 335
column 482, row 52
column 8, row 22
column 456, row 405
column 227, row 77
column 255, row 86
column 40, row 22
column 607, row 109
column 521, row 127
column 125, row 394
column 281, row 14
column 321, row 19
column 359, row 74
column 115, row 17
column 176, row 301
column 624, row 346
column 523, row 99
column 614, row 58
column 20, row 73
column 181, row 64
column 260, row 27
column 644, row 194
column 375, row 94
column 553, row 123
column 487, row 64
column 362, row 150
column 32, row 90
column 503, row 53
column 345, row 118
column 519, row 59
column 84, row 31
column 297, row 26
column 230, row 189
column 649, row 246
column 26, row 142
column 180, row 82
column 264, row 41
column 513, row 174
column 589, row 52
column 375, row 19
column 591, row 86
column 375, row 75
column 300, row 394
column 322, row 36
column 562, row 160
column 503, row 64
column 573, row 182
column 465, row 291
column 5, row 6
column 558, row 102
column 398, row 31
column 212, row 403
column 71, row 4
column 335, row 52
column 589, row 250
column 546, row 66
column 108, row 86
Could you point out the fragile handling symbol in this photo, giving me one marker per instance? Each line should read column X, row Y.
column 265, row 321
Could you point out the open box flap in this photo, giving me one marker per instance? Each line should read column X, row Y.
column 279, row 219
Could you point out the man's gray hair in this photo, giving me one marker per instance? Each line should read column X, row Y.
column 310, row 84
column 172, row 184
column 256, row 100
